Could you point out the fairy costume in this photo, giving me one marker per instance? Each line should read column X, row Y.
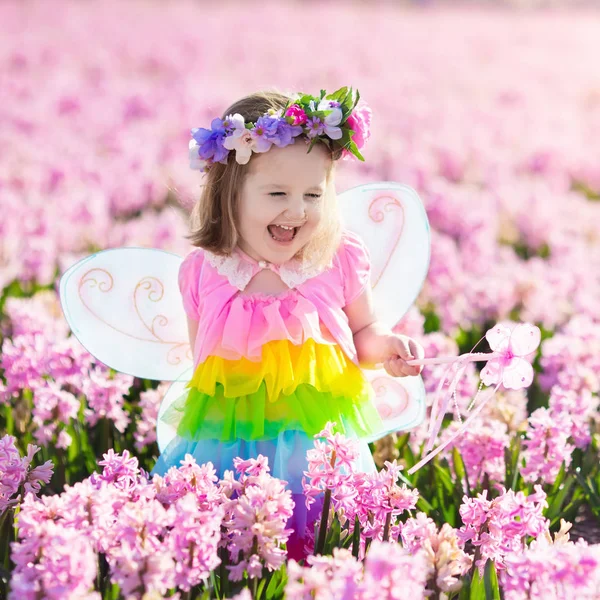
column 271, row 370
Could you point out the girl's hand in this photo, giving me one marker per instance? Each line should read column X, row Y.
column 401, row 348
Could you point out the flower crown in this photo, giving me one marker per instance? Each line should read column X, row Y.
column 339, row 120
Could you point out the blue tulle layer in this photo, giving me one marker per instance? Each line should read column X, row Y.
column 286, row 454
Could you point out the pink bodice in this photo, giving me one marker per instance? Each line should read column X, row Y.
column 233, row 324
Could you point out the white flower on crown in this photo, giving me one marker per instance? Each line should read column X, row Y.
column 196, row 163
column 332, row 120
column 240, row 139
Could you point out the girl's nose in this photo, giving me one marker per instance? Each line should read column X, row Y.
column 296, row 210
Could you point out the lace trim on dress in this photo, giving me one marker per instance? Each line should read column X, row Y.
column 294, row 273
column 239, row 269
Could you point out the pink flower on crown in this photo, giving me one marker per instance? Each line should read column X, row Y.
column 360, row 122
column 239, row 139
column 297, row 113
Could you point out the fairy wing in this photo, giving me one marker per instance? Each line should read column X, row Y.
column 125, row 307
column 399, row 401
column 166, row 431
column 391, row 220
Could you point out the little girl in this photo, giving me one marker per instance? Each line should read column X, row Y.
column 277, row 296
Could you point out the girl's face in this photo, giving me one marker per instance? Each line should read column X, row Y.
column 281, row 201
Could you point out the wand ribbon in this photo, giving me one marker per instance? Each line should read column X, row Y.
column 506, row 366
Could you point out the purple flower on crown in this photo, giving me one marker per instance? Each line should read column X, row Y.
column 210, row 141
column 333, row 119
column 315, row 127
column 264, row 131
column 196, row 162
column 286, row 133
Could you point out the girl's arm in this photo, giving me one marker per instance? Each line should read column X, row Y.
column 376, row 343
column 192, row 331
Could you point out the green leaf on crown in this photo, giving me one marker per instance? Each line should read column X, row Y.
column 339, row 95
column 353, row 148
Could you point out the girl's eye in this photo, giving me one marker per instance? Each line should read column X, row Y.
column 279, row 194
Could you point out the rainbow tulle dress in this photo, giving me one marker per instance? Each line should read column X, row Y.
column 271, row 371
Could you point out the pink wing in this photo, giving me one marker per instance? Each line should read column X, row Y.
column 524, row 339
column 498, row 337
column 490, row 374
column 518, row 373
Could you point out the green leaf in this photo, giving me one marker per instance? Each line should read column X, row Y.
column 557, row 498
column 276, row 585
column 588, row 487
column 409, row 458
column 338, row 95
column 346, row 138
column 443, row 475
column 347, row 104
column 464, row 593
column 557, row 485
column 425, row 506
column 356, row 538
column 312, row 144
column 477, row 591
column 352, row 147
column 305, row 99
column 460, row 470
column 511, row 462
column 432, row 321
column 333, row 536
column 492, row 588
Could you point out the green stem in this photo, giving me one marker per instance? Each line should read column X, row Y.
column 5, row 525
column 61, row 479
column 323, row 525
column 103, row 441
column 386, row 527
column 477, row 556
column 325, row 515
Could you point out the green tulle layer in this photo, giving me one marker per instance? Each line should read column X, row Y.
column 199, row 416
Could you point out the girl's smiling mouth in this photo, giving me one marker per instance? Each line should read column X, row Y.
column 283, row 233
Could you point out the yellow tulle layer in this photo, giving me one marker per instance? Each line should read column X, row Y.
column 291, row 388
column 282, row 368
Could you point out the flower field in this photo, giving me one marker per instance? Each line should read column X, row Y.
column 493, row 116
